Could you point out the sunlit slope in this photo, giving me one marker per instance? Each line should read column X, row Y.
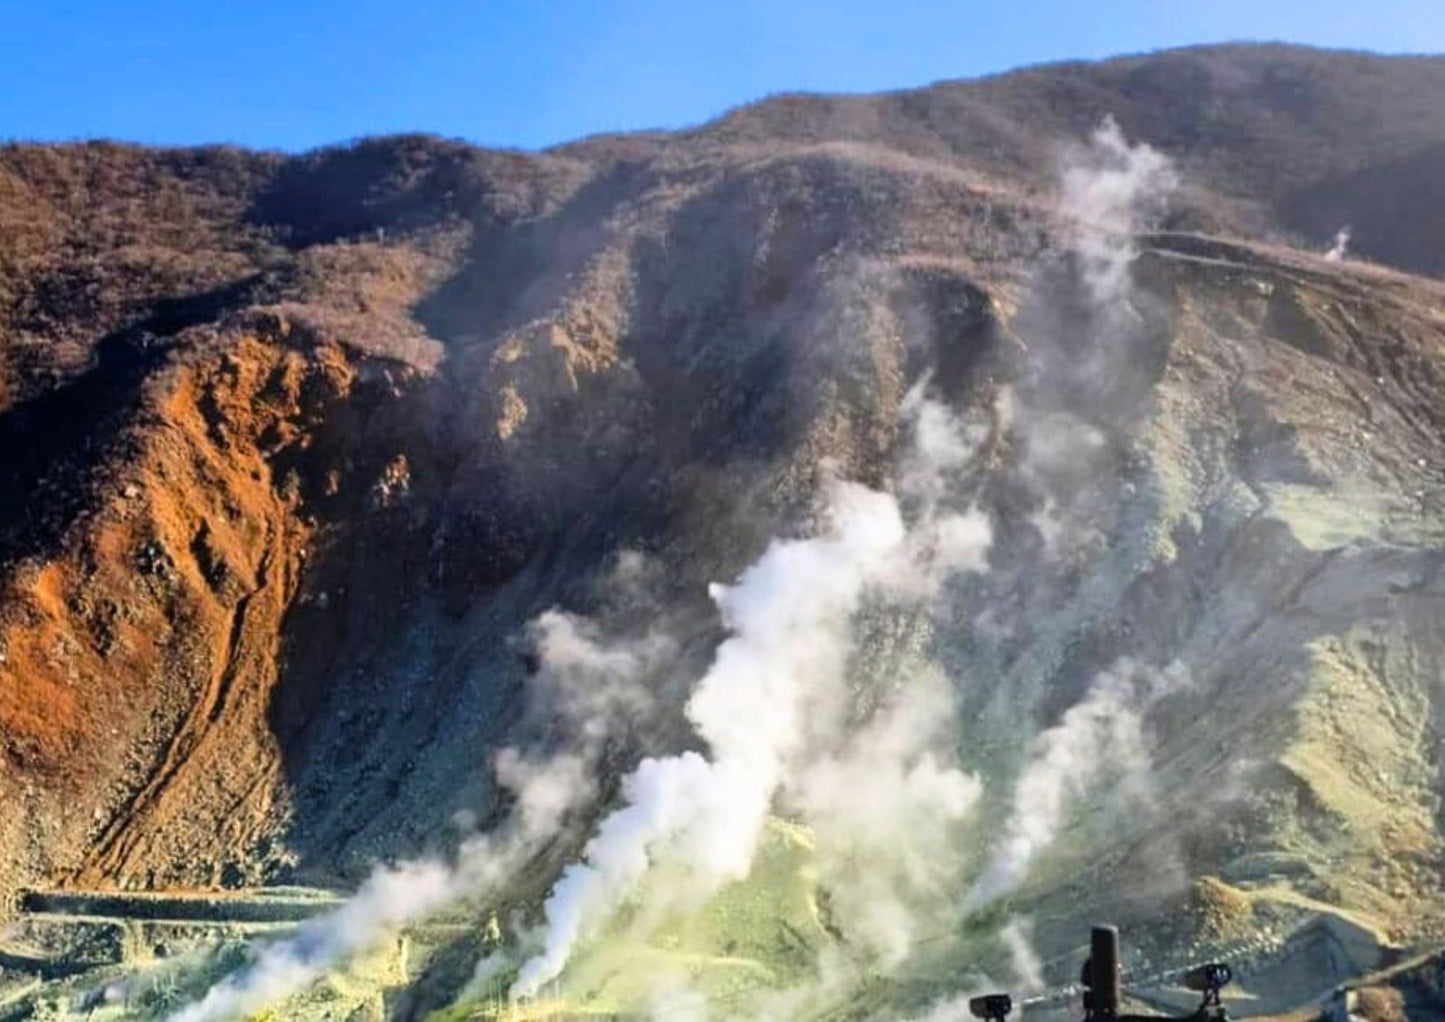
column 298, row 452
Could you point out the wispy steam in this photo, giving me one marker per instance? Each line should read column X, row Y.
column 1085, row 328
column 395, row 896
column 594, row 685
column 796, row 713
column 1108, row 190
column 392, row 897
column 1102, row 733
column 1341, row 248
column 676, row 1003
column 584, row 686
column 884, row 808
column 774, row 712
column 1071, row 419
column 1027, row 967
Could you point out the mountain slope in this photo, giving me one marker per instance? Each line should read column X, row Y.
column 295, row 448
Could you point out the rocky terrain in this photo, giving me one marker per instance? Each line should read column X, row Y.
column 293, row 448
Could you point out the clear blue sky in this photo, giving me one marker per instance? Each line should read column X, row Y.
column 297, row 73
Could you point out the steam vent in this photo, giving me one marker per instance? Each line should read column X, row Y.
column 810, row 566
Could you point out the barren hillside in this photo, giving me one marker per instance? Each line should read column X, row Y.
column 293, row 449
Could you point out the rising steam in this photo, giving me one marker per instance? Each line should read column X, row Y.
column 1108, row 190
column 582, row 686
column 391, row 897
column 1341, row 248
column 773, row 711
column 395, row 896
column 794, row 715
column 1103, row 730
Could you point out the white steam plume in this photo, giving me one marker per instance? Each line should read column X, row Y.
column 1085, row 361
column 594, row 685
column 1028, row 968
column 776, row 686
column 1103, row 730
column 789, row 616
column 883, row 807
column 390, row 898
column 1069, row 420
column 583, row 685
column 395, row 896
column 1107, row 191
column 1341, row 248
column 673, row 1002
column 773, row 709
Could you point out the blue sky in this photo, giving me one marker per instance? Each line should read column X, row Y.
column 293, row 74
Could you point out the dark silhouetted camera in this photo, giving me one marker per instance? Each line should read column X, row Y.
column 1209, row 977
column 991, row 1006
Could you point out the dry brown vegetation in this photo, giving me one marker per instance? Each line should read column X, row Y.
column 291, row 446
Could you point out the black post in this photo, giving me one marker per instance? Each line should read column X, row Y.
column 1104, row 972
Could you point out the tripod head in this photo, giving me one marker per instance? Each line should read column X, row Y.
column 991, row 1007
column 1102, row 982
